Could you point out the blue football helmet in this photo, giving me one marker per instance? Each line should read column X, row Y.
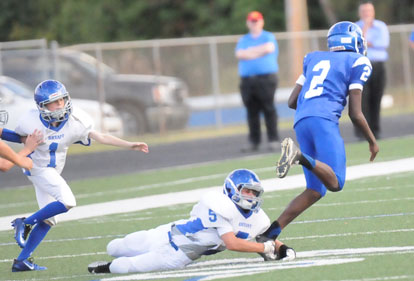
column 346, row 36
column 49, row 91
column 241, row 179
column 4, row 116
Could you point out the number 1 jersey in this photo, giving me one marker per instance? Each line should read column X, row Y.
column 52, row 152
column 327, row 77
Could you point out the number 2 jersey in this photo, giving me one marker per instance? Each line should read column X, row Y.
column 52, row 152
column 327, row 77
column 214, row 215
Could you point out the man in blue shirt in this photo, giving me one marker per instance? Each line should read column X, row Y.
column 319, row 97
column 412, row 40
column 257, row 53
column 378, row 39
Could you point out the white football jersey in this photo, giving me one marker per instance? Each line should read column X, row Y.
column 52, row 152
column 212, row 217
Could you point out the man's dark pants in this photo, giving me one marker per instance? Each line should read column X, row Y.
column 372, row 95
column 258, row 94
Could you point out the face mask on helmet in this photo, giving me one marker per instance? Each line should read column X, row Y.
column 244, row 189
column 4, row 116
column 50, row 91
column 249, row 197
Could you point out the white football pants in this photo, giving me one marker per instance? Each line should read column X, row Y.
column 50, row 186
column 147, row 250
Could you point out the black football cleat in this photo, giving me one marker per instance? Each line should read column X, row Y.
column 99, row 267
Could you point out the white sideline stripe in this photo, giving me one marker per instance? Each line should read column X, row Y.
column 191, row 196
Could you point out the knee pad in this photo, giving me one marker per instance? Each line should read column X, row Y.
column 69, row 202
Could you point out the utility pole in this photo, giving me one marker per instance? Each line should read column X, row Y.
column 296, row 14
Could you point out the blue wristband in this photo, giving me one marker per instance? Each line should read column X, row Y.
column 9, row 135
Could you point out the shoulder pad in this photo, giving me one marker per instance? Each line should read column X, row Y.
column 219, row 203
column 362, row 60
column 83, row 117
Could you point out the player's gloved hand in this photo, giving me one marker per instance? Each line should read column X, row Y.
column 285, row 253
column 269, row 252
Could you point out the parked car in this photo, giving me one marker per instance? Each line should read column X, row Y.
column 17, row 99
column 145, row 102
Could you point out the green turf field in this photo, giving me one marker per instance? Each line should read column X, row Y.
column 370, row 216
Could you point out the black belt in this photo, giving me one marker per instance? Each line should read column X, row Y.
column 252, row 77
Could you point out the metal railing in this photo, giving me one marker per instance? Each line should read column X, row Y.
column 208, row 65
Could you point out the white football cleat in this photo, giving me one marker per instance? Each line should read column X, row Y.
column 289, row 156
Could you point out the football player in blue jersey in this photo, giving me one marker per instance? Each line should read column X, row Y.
column 319, row 98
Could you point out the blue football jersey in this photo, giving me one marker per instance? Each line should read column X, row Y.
column 326, row 80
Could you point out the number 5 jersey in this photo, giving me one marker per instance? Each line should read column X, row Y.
column 212, row 217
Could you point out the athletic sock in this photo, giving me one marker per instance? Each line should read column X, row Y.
column 36, row 236
column 50, row 210
column 307, row 161
column 273, row 231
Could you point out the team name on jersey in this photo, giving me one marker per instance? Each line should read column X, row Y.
column 56, row 137
column 243, row 224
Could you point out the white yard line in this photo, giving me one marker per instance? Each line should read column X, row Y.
column 399, row 277
column 191, row 196
column 225, row 268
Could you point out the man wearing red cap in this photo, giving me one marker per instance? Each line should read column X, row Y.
column 257, row 53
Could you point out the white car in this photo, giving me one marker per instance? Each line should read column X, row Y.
column 17, row 99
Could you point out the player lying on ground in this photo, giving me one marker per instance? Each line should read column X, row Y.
column 9, row 158
column 220, row 220
column 319, row 98
column 61, row 126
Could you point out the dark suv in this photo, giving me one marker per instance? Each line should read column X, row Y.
column 146, row 103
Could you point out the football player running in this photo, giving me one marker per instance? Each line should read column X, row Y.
column 9, row 158
column 221, row 220
column 61, row 126
column 319, row 98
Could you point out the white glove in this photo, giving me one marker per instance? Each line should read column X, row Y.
column 269, row 249
column 290, row 255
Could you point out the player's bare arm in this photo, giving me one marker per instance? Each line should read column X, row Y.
column 358, row 119
column 293, row 98
column 114, row 141
column 31, row 142
column 240, row 245
column 12, row 157
column 255, row 52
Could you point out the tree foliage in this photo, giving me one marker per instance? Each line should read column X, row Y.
column 79, row 21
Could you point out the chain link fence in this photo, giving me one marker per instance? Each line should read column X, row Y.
column 207, row 66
